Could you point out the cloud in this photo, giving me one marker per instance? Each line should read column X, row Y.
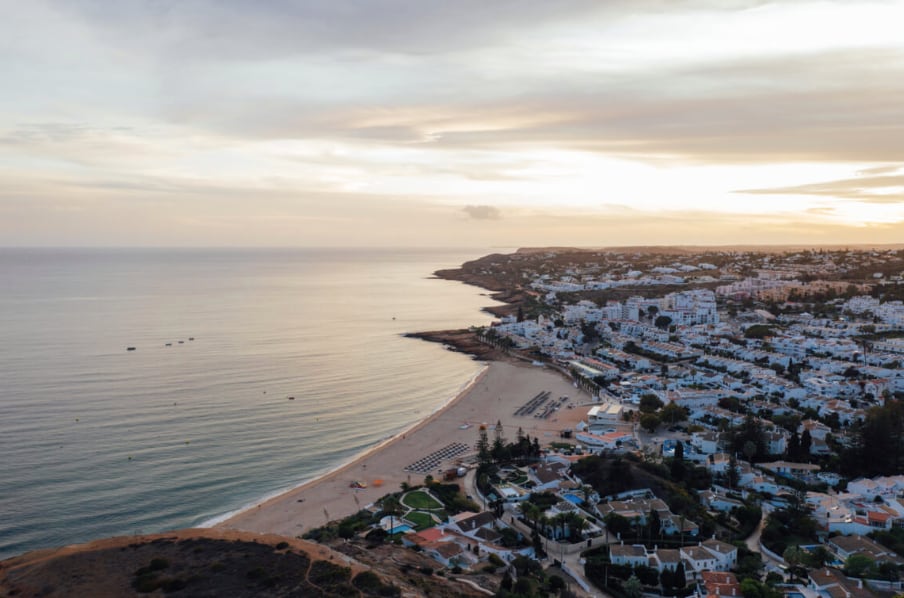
column 849, row 108
column 482, row 212
column 876, row 189
column 880, row 170
column 237, row 29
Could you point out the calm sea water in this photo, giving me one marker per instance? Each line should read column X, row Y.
column 97, row 441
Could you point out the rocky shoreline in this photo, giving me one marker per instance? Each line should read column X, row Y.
column 462, row 341
column 465, row 340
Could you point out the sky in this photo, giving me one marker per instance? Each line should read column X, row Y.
column 469, row 123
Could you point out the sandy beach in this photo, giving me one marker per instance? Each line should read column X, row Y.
column 494, row 395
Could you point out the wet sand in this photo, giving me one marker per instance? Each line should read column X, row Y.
column 494, row 395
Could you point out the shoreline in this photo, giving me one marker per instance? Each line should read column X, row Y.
column 492, row 395
column 225, row 521
column 220, row 520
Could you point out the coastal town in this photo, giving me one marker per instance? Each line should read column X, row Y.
column 647, row 422
column 735, row 430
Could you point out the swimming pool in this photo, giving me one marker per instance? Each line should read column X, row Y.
column 574, row 499
column 404, row 529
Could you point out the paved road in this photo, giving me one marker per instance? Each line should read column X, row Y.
column 753, row 542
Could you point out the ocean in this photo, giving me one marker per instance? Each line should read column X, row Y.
column 98, row 440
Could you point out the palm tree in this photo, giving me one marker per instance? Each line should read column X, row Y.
column 391, row 506
column 530, row 511
column 576, row 524
column 542, row 523
column 561, row 521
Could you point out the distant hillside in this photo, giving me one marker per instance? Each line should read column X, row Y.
column 694, row 249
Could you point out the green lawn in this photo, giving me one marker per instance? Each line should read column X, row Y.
column 419, row 499
column 517, row 479
column 420, row 520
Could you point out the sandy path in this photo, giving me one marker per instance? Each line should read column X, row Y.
column 495, row 395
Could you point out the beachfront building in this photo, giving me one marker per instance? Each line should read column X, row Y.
column 607, row 415
column 610, row 441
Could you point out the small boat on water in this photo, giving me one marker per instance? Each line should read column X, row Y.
column 130, row 348
column 191, row 338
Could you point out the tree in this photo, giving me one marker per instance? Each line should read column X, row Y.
column 633, row 588
column 793, row 450
column 483, row 447
column 530, row 511
column 749, row 449
column 673, row 413
column 391, row 505
column 806, row 441
column 662, row 322
column 649, row 422
column 733, row 474
column 677, row 468
column 794, row 556
column 655, row 524
column 851, row 372
column 617, row 524
column 649, row 403
column 858, row 565
column 523, row 587
column 878, row 447
column 751, row 588
column 498, row 451
column 758, row 331
column 750, row 431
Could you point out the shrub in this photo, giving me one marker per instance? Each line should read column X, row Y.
column 159, row 564
column 282, row 546
column 146, row 583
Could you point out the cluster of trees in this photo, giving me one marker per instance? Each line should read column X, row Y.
column 878, row 447
column 532, row 580
column 653, row 412
column 799, row 446
column 791, row 526
column 749, row 439
column 892, row 539
column 629, row 582
column 860, row 565
column 612, row 475
column 567, row 526
column 499, row 451
column 758, row 331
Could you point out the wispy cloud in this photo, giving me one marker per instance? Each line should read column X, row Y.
column 483, row 212
column 879, row 189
